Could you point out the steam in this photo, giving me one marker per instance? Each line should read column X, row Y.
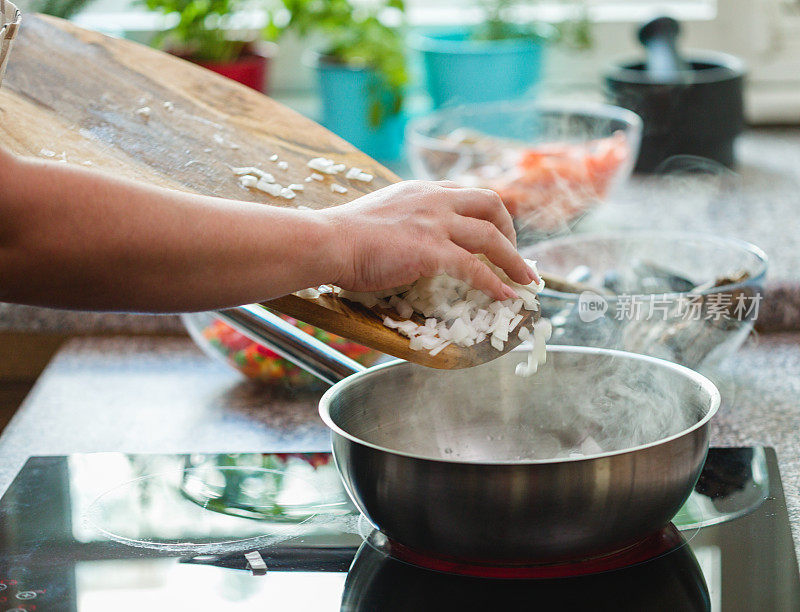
column 577, row 404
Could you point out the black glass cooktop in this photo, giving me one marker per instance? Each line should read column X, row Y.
column 113, row 532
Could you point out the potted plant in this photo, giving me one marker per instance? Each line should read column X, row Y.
column 360, row 66
column 498, row 59
column 57, row 8
column 203, row 35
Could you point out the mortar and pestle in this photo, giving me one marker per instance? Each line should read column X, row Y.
column 689, row 105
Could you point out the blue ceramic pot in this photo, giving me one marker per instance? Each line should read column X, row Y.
column 459, row 70
column 348, row 95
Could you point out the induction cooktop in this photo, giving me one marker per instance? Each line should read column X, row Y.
column 275, row 531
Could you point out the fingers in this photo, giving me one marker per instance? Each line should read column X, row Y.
column 477, row 236
column 464, row 266
column 486, row 204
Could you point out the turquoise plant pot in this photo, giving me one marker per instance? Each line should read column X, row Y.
column 459, row 70
column 348, row 94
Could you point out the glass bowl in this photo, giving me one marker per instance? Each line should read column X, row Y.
column 687, row 297
column 550, row 163
column 257, row 362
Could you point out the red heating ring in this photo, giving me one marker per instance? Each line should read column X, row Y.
column 656, row 545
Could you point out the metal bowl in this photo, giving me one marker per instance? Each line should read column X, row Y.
column 455, row 464
column 696, row 329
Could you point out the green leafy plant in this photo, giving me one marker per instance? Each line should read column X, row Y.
column 500, row 23
column 202, row 30
column 354, row 36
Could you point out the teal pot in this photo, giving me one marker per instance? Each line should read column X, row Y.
column 460, row 70
column 348, row 96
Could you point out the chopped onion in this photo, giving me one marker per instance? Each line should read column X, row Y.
column 143, row 112
column 460, row 315
column 248, row 181
column 538, row 353
column 273, row 189
column 325, row 165
column 357, row 174
column 337, row 188
column 308, row 294
column 266, row 176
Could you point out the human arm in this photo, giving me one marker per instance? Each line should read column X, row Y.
column 77, row 238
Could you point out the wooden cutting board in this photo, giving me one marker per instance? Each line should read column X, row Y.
column 74, row 94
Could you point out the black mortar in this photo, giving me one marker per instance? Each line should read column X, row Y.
column 696, row 108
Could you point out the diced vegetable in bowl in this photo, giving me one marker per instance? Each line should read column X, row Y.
column 550, row 163
column 257, row 362
column 687, row 297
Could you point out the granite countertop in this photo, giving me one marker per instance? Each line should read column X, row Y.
column 759, row 203
column 163, row 395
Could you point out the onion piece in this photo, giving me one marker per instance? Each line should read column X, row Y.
column 248, row 181
column 273, row 189
column 309, row 294
column 258, row 172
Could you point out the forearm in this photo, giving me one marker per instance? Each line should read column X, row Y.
column 75, row 239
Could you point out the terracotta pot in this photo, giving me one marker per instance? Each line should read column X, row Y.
column 251, row 68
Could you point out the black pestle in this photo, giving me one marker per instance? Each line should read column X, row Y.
column 659, row 36
column 691, row 106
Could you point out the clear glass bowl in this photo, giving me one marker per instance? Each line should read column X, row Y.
column 257, row 362
column 551, row 163
column 687, row 297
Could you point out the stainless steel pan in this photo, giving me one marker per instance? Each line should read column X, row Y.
column 445, row 462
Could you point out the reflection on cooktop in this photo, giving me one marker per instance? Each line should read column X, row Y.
column 127, row 532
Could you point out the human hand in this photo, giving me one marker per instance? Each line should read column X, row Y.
column 414, row 229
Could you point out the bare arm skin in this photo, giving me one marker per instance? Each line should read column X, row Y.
column 76, row 238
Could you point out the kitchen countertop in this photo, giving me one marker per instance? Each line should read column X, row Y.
column 163, row 395
column 759, row 203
